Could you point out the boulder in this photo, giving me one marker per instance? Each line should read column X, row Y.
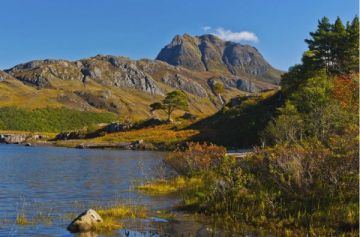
column 70, row 135
column 12, row 138
column 189, row 116
column 150, row 123
column 117, row 127
column 86, row 221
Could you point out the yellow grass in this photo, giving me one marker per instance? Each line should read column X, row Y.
column 163, row 133
column 112, row 217
column 175, row 185
column 21, row 220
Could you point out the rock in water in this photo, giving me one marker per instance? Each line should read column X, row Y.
column 86, row 221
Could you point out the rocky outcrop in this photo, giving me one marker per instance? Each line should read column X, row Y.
column 12, row 138
column 209, row 53
column 150, row 123
column 85, row 222
column 4, row 76
column 117, row 127
column 178, row 81
column 40, row 73
column 251, row 86
column 189, row 116
column 70, row 135
column 106, row 70
column 248, row 86
column 119, row 72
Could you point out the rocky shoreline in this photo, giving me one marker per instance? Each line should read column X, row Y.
column 41, row 140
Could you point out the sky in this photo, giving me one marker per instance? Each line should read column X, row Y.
column 75, row 29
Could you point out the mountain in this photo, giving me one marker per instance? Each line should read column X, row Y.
column 127, row 87
column 210, row 53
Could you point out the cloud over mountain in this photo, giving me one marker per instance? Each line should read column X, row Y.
column 228, row 35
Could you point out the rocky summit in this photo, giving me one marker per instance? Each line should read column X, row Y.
column 210, row 53
column 127, row 87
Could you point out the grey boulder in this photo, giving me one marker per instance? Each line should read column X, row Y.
column 86, row 221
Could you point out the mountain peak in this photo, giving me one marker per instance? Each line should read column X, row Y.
column 209, row 53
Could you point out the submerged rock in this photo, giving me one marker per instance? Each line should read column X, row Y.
column 86, row 221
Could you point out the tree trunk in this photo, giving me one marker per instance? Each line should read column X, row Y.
column 220, row 98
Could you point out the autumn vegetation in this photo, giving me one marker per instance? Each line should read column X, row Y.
column 304, row 180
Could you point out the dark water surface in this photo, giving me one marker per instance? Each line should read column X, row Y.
column 53, row 182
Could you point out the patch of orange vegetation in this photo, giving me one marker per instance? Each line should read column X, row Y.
column 168, row 133
column 346, row 90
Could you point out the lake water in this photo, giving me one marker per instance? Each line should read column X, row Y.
column 48, row 183
column 57, row 181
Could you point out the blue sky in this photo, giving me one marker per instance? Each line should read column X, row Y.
column 74, row 29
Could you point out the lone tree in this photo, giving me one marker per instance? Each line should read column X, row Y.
column 173, row 100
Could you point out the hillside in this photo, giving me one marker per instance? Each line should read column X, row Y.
column 240, row 123
column 126, row 87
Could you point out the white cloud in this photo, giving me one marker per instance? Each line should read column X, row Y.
column 206, row 28
column 228, row 35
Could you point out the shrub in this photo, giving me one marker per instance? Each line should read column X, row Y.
column 195, row 158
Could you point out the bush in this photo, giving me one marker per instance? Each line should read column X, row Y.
column 195, row 158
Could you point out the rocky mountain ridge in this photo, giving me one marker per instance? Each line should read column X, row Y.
column 122, row 85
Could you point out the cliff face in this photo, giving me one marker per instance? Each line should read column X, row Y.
column 209, row 53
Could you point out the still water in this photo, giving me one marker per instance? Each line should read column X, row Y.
column 49, row 183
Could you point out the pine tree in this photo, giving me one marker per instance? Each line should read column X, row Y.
column 352, row 49
column 320, row 44
column 339, row 42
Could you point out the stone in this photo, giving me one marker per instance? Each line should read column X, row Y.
column 70, row 135
column 117, row 127
column 12, row 138
column 150, row 123
column 188, row 116
column 86, row 221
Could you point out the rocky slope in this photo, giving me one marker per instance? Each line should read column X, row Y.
column 209, row 53
column 127, row 87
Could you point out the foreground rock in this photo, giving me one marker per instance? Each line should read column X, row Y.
column 86, row 221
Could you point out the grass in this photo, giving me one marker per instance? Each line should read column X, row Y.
column 21, row 219
column 162, row 137
column 112, row 217
column 49, row 119
column 160, row 134
column 170, row 186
